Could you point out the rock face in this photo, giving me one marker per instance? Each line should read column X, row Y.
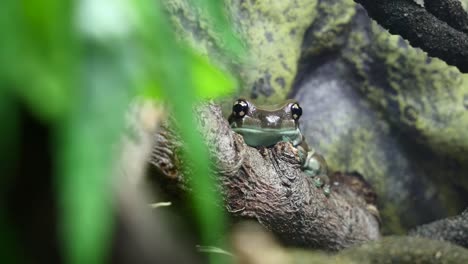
column 372, row 103
column 380, row 107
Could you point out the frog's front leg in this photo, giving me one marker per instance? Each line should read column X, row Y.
column 314, row 165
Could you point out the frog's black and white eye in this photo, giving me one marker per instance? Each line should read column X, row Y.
column 240, row 108
column 296, row 111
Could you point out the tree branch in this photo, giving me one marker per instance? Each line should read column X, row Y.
column 267, row 184
column 421, row 29
column 454, row 230
column 449, row 11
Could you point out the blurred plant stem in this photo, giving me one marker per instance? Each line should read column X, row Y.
column 176, row 74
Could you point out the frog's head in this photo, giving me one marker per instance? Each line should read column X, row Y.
column 266, row 126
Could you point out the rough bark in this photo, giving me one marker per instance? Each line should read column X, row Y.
column 450, row 11
column 267, row 184
column 454, row 230
column 422, row 29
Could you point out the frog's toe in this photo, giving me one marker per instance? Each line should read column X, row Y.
column 311, row 165
column 318, row 182
column 302, row 154
column 310, row 173
column 326, row 190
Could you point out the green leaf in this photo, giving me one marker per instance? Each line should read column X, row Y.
column 208, row 80
column 86, row 155
column 176, row 71
column 40, row 51
column 8, row 156
column 77, row 64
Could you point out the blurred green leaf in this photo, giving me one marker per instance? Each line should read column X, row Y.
column 40, row 52
column 77, row 64
column 207, row 80
column 176, row 77
column 87, row 156
column 9, row 135
column 8, row 242
column 89, row 137
column 9, row 146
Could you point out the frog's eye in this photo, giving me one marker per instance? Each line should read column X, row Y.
column 240, row 108
column 296, row 111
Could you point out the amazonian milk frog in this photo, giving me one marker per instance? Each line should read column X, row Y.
column 268, row 126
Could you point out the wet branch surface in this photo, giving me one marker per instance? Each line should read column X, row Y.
column 267, row 185
column 440, row 28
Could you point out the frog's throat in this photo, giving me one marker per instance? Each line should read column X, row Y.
column 256, row 137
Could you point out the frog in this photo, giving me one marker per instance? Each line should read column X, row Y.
column 266, row 126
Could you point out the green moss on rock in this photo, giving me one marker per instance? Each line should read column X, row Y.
column 331, row 27
column 424, row 101
column 272, row 30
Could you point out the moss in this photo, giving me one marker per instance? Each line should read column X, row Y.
column 422, row 99
column 371, row 161
column 273, row 32
column 392, row 225
column 193, row 26
column 330, row 28
column 429, row 93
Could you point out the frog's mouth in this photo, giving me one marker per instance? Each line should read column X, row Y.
column 256, row 137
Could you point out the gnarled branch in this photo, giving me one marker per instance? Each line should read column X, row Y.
column 267, row 185
column 449, row 11
column 454, row 230
column 424, row 29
